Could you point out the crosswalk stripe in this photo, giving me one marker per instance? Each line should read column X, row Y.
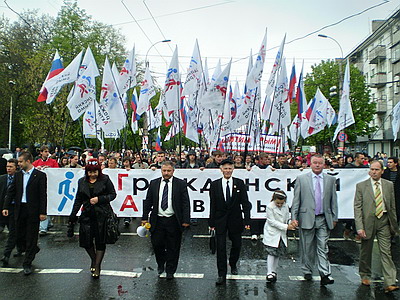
column 185, row 275
column 10, row 270
column 120, row 273
column 56, row 271
column 246, row 277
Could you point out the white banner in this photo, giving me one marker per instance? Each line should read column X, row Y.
column 131, row 187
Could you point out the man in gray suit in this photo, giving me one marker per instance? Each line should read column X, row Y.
column 315, row 212
column 375, row 215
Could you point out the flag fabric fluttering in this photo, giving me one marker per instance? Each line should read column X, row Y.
column 292, row 83
column 68, row 75
column 266, row 107
column 147, row 92
column 135, row 117
column 158, row 140
column 345, row 116
column 84, row 91
column 56, row 68
column 171, row 93
column 127, row 76
column 110, row 103
column 193, row 78
column 396, row 120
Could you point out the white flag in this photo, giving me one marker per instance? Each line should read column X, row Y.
column 84, row 93
column 266, row 108
column 127, row 75
column 214, row 98
column 280, row 110
column 68, row 75
column 346, row 117
column 396, row 120
column 147, row 92
column 322, row 114
column 194, row 74
column 255, row 74
column 172, row 85
column 111, row 103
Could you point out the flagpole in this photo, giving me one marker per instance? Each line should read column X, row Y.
column 246, row 147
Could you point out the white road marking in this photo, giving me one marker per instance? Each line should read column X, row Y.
column 185, row 275
column 56, row 271
column 301, row 278
column 246, row 277
column 10, row 270
column 120, row 273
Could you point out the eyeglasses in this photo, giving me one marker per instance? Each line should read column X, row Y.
column 93, row 162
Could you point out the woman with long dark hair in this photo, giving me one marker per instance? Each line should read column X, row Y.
column 95, row 192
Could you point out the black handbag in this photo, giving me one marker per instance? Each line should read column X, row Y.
column 112, row 229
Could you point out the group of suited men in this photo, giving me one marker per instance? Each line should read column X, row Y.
column 167, row 209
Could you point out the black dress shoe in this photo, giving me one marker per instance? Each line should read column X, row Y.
column 4, row 259
column 19, row 254
column 170, row 276
column 27, row 270
column 160, row 270
column 308, row 277
column 221, row 280
column 234, row 271
column 326, row 280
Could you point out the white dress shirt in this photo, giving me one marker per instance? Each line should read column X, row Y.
column 26, row 176
column 169, row 212
column 224, row 181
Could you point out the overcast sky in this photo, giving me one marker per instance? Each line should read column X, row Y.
column 228, row 29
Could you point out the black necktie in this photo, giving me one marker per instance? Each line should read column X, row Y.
column 164, row 200
column 228, row 193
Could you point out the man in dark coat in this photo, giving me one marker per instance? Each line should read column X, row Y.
column 228, row 200
column 168, row 201
column 29, row 193
column 392, row 173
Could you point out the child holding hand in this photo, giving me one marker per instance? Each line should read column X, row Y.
column 275, row 238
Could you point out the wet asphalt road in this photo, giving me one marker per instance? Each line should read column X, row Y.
column 129, row 272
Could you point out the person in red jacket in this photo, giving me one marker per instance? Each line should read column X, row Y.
column 45, row 161
column 42, row 163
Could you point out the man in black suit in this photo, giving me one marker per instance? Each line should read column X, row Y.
column 29, row 193
column 228, row 200
column 5, row 182
column 168, row 201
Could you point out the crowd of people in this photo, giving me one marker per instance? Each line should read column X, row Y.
column 314, row 210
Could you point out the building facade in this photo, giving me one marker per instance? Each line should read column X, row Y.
column 378, row 58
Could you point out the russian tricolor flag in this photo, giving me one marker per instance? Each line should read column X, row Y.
column 56, row 68
column 292, row 83
column 134, row 102
column 158, row 140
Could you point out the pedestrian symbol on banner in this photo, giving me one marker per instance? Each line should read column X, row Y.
column 63, row 189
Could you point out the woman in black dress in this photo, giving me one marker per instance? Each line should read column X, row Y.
column 95, row 192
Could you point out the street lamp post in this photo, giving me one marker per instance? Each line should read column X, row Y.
column 145, row 137
column 11, row 84
column 341, row 144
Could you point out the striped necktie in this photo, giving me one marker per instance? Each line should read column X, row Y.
column 378, row 201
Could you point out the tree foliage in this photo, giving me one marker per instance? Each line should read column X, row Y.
column 27, row 47
column 326, row 75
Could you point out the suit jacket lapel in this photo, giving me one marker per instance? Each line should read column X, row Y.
column 370, row 189
column 32, row 177
column 385, row 191
column 310, row 184
column 155, row 205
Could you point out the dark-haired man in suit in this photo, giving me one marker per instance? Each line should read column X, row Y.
column 168, row 201
column 228, row 200
column 29, row 193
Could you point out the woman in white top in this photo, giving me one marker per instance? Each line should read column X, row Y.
column 275, row 238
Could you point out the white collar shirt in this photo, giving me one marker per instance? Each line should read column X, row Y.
column 224, row 183
column 169, row 212
column 26, row 175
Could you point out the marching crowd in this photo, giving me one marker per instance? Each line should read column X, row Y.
column 167, row 206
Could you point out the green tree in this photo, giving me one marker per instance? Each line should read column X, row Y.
column 27, row 47
column 326, row 75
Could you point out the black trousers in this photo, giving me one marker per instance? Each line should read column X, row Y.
column 236, row 239
column 166, row 241
column 12, row 233
column 27, row 234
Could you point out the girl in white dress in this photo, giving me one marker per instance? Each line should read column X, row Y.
column 275, row 238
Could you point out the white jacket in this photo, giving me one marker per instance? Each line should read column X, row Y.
column 276, row 225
